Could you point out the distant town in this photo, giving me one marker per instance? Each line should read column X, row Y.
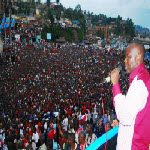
column 82, row 25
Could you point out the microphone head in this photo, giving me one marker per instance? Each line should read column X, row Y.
column 107, row 80
column 119, row 68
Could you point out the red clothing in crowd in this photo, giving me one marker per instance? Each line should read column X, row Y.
column 1, row 143
column 31, row 133
column 51, row 134
column 84, row 109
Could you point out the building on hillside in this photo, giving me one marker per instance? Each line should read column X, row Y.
column 75, row 23
column 104, row 29
column 88, row 23
column 90, row 32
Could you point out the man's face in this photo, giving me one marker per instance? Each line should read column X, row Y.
column 88, row 129
column 100, row 123
column 80, row 138
column 115, row 123
column 108, row 127
column 130, row 60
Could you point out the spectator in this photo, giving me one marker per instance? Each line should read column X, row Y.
column 90, row 136
column 30, row 142
column 99, row 130
column 82, row 143
column 71, row 141
column 43, row 146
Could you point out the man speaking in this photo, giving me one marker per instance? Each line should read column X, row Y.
column 133, row 109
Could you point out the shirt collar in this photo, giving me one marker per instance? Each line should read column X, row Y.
column 136, row 72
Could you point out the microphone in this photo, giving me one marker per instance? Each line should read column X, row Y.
column 108, row 79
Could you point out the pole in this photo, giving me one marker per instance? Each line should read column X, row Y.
column 10, row 28
column 5, row 32
column 5, row 37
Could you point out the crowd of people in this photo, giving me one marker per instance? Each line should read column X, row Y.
column 51, row 96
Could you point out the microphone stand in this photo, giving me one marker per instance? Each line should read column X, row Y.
column 104, row 115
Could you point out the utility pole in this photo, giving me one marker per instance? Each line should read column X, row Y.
column 10, row 26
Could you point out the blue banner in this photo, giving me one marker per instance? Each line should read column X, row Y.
column 100, row 141
column 49, row 36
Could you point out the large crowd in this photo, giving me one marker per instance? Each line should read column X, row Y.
column 51, row 95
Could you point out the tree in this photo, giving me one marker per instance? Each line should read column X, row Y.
column 69, row 13
column 119, row 28
column 48, row 3
column 50, row 16
column 119, row 18
column 28, row 11
column 78, row 8
column 80, row 34
column 129, row 28
column 57, row 1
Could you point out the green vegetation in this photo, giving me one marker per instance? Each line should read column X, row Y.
column 58, row 32
column 80, row 34
column 76, row 14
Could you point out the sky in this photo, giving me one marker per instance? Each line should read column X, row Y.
column 137, row 10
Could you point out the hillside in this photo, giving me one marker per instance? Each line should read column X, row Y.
column 141, row 30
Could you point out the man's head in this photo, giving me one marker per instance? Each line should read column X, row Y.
column 65, row 137
column 71, row 138
column 115, row 123
column 42, row 139
column 81, row 137
column 134, row 57
column 89, row 128
column 108, row 126
column 76, row 124
column 100, row 123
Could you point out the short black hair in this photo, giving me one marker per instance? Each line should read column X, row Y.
column 71, row 136
column 65, row 135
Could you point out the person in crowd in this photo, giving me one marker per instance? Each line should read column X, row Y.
column 82, row 142
column 29, row 147
column 65, row 140
column 111, row 143
column 71, row 141
column 42, row 141
column 31, row 142
column 49, row 144
column 133, row 108
column 65, row 123
column 77, row 129
column 99, row 129
column 90, row 136
column 108, row 126
column 115, row 123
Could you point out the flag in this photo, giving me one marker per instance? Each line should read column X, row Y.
column 13, row 22
column 7, row 20
column 3, row 21
column 0, row 28
column 12, row 25
column 6, row 25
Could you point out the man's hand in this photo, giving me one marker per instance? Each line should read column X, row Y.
column 115, row 76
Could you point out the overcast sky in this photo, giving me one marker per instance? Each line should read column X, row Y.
column 137, row 10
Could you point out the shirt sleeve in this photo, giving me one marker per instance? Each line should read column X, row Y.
column 128, row 106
